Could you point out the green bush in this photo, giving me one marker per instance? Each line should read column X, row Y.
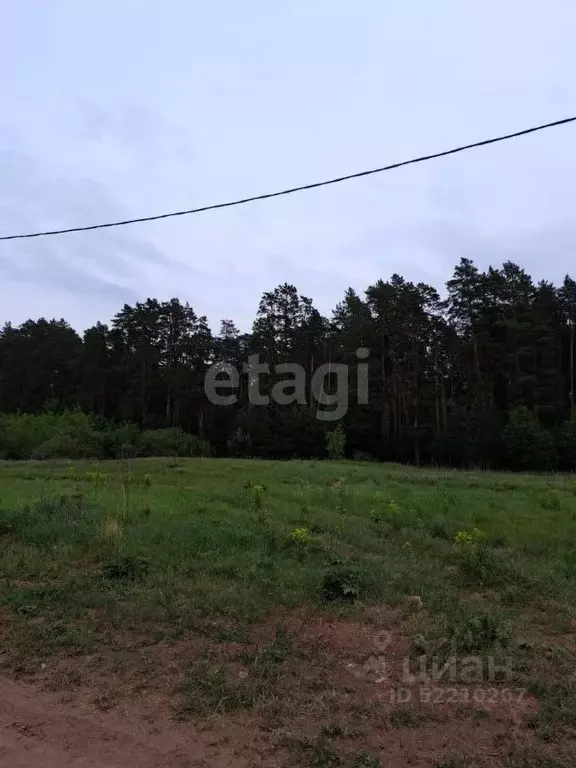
column 48, row 435
column 171, row 442
column 566, row 446
column 342, row 582
column 66, row 446
column 76, row 435
column 239, row 445
column 481, row 633
column 549, row 498
column 336, row 442
column 527, row 443
column 120, row 442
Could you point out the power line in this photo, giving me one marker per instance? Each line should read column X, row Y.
column 304, row 187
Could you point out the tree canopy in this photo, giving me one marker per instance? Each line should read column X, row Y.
column 480, row 375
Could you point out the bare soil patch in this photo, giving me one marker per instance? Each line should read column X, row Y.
column 304, row 689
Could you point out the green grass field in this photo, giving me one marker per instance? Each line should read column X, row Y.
column 220, row 565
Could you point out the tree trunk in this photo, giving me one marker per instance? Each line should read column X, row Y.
column 477, row 365
column 168, row 407
column 571, row 371
column 444, row 404
column 201, row 421
column 416, row 440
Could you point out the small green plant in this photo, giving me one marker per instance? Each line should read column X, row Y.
column 126, row 483
column 480, row 566
column 126, row 568
column 478, row 562
column 339, row 488
column 336, row 442
column 94, row 477
column 439, row 530
column 468, row 539
column 376, row 515
column 408, row 549
column 481, row 633
column 98, row 478
column 568, row 564
column 386, row 511
column 256, row 492
column 300, row 537
column 341, row 583
column 549, row 499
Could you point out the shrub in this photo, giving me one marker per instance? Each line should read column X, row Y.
column 257, row 491
column 300, row 539
column 76, row 435
column 23, row 434
column 438, row 529
column 240, row 445
column 482, row 632
column 341, row 583
column 527, row 443
column 566, row 446
column 464, row 540
column 479, row 564
column 68, row 446
column 120, row 442
column 391, row 512
column 549, row 499
column 171, row 441
column 53, row 520
column 336, row 442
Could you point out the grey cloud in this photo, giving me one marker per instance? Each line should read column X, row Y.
column 132, row 126
column 52, row 270
column 129, row 124
column 218, row 106
column 546, row 251
column 95, row 263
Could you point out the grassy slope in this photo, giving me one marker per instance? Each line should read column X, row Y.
column 162, row 548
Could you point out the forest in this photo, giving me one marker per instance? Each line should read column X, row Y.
column 478, row 375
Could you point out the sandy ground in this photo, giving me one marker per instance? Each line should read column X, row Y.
column 38, row 731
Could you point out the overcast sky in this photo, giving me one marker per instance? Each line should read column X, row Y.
column 123, row 108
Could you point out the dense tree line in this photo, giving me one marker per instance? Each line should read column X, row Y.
column 483, row 376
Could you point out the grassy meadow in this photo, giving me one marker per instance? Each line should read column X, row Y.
column 210, row 581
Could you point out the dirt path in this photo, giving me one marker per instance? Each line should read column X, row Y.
column 38, row 731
